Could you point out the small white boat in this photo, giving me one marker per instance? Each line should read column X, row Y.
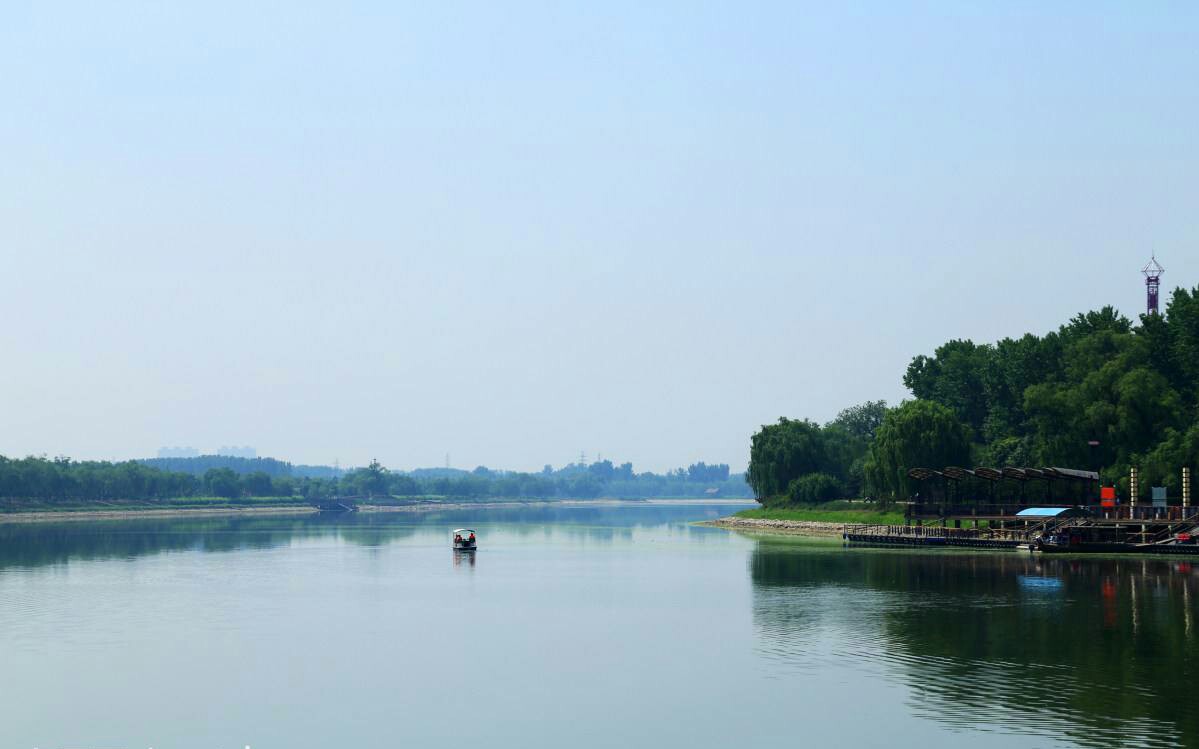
column 464, row 539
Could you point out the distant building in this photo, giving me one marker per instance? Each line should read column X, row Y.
column 178, row 452
column 238, row 452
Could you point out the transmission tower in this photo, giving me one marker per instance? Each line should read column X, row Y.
column 1153, row 273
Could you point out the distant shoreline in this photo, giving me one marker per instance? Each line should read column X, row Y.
column 604, row 502
column 50, row 516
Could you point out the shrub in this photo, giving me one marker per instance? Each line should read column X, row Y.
column 812, row 488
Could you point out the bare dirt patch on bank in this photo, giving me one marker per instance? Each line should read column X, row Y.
column 789, row 527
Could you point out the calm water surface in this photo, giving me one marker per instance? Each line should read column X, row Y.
column 613, row 626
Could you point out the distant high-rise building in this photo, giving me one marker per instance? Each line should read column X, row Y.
column 178, row 452
column 238, row 452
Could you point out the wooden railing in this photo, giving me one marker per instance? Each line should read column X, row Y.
column 936, row 531
column 926, row 510
column 936, row 510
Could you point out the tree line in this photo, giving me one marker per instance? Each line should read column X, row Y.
column 65, row 481
column 200, row 464
column 1101, row 393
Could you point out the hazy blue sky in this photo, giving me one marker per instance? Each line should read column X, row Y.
column 514, row 231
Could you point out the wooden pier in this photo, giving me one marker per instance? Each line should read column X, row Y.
column 1073, row 535
column 336, row 504
column 915, row 535
column 1048, row 509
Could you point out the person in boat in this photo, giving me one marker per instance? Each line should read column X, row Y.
column 457, row 538
column 472, row 538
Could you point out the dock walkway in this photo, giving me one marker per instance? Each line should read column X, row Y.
column 1072, row 535
column 913, row 535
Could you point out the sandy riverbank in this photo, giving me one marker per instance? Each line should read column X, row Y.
column 789, row 527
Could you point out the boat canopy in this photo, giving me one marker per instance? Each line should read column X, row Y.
column 459, row 531
column 1042, row 512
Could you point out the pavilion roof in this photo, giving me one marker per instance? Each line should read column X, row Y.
column 957, row 473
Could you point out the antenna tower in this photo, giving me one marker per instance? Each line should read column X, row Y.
column 1153, row 273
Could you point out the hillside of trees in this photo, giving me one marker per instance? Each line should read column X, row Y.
column 1028, row 401
column 41, row 482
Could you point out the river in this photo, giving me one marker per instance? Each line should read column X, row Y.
column 587, row 626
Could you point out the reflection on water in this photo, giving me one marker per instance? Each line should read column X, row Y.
column 603, row 625
column 309, row 631
column 1095, row 652
column 45, row 543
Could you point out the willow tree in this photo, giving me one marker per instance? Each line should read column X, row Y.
column 781, row 452
column 915, row 434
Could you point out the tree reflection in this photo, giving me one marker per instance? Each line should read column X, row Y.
column 1100, row 652
column 47, row 543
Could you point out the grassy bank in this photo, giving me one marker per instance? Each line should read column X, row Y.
column 820, row 514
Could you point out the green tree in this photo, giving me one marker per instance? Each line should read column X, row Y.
column 915, row 434
column 791, row 449
column 374, row 479
column 1182, row 314
column 257, row 484
column 702, row 473
column 954, row 377
column 1016, row 365
column 401, row 485
column 602, row 470
column 812, row 488
column 862, row 420
column 222, row 482
column 782, row 452
column 1163, row 465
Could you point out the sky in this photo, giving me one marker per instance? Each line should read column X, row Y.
column 514, row 232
